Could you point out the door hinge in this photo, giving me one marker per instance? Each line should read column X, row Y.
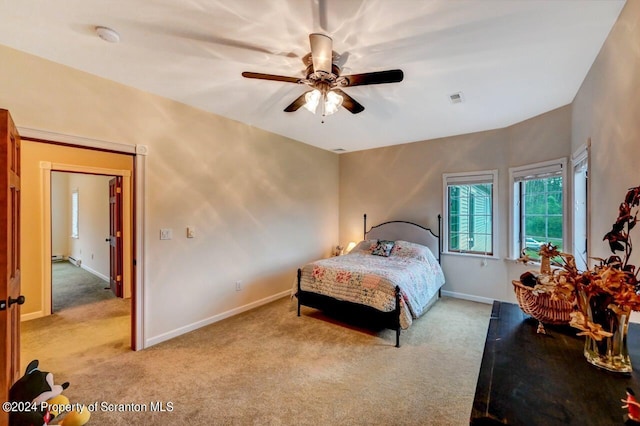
column 118, row 234
column 118, row 189
column 118, row 278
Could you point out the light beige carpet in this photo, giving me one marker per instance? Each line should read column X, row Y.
column 89, row 323
column 270, row 367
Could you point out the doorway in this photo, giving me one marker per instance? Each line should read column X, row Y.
column 86, row 255
column 40, row 159
column 93, row 320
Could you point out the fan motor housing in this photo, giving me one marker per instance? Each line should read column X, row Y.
column 316, row 76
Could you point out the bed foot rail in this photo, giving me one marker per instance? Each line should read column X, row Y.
column 398, row 316
column 298, row 295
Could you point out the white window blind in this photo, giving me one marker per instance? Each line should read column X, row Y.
column 532, row 172
column 468, row 179
column 580, row 160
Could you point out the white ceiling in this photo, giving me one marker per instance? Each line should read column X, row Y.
column 511, row 59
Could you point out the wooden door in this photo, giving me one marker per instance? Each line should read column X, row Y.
column 115, row 236
column 10, row 298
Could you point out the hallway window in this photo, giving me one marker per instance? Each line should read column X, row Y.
column 74, row 214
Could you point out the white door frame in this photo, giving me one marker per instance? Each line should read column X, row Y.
column 136, row 209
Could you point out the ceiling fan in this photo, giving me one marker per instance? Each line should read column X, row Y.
column 324, row 79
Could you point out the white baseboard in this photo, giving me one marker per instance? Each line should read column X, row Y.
column 94, row 272
column 31, row 315
column 470, row 297
column 219, row 317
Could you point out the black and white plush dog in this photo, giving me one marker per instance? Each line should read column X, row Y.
column 32, row 389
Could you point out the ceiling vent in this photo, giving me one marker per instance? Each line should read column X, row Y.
column 456, row 98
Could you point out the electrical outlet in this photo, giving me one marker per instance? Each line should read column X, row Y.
column 238, row 285
column 166, row 234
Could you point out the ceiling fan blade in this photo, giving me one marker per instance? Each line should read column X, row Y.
column 349, row 103
column 378, row 77
column 273, row 77
column 321, row 52
column 295, row 105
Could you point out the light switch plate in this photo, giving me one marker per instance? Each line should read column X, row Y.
column 166, row 234
column 191, row 232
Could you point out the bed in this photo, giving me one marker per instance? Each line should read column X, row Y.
column 389, row 279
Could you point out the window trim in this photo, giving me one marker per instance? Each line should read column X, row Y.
column 579, row 159
column 514, row 200
column 487, row 176
column 75, row 213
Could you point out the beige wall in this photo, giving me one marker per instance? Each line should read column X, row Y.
column 93, row 222
column 93, row 209
column 261, row 204
column 607, row 111
column 33, row 210
column 405, row 182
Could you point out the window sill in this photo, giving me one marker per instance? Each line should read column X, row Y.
column 482, row 256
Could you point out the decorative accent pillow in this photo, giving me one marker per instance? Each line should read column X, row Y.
column 413, row 251
column 365, row 246
column 383, row 248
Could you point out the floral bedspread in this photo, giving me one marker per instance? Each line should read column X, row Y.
column 371, row 280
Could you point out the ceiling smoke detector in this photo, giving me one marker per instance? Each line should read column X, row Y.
column 107, row 34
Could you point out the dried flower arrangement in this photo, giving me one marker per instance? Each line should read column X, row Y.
column 610, row 289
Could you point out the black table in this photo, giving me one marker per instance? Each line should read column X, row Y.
column 536, row 379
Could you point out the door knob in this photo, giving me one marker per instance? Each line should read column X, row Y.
column 108, row 239
column 19, row 300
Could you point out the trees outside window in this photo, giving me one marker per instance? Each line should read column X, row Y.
column 538, row 207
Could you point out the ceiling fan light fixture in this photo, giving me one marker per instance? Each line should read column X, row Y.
column 312, row 99
column 332, row 102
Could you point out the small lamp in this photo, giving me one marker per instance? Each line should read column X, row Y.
column 351, row 246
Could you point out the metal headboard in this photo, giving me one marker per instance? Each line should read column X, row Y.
column 407, row 231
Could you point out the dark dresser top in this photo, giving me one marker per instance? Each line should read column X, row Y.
column 536, row 379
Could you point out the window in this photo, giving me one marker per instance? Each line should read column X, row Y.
column 538, row 207
column 74, row 214
column 469, row 212
column 580, row 162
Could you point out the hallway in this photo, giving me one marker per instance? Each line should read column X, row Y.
column 89, row 323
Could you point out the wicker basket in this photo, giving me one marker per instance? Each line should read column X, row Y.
column 541, row 307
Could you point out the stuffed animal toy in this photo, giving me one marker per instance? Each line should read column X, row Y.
column 43, row 400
